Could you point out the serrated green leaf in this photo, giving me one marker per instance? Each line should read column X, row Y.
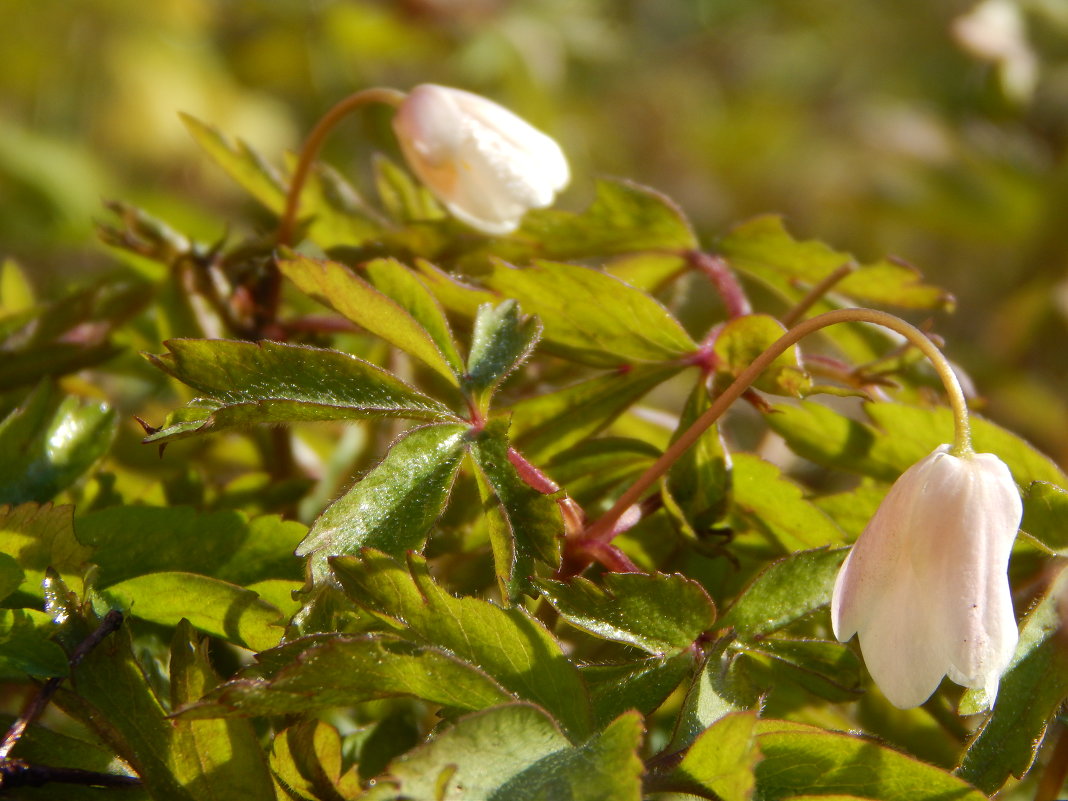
column 130, row 541
column 271, row 382
column 39, row 537
column 215, row 607
column 394, row 505
column 648, row 271
column 805, row 759
column 25, row 647
column 508, row 644
column 623, row 218
column 764, row 249
column 831, row 670
column 742, row 339
column 659, row 613
column 785, row 591
column 721, row 760
column 1031, row 691
column 545, row 425
column 592, row 317
column 338, row 287
column 525, row 526
column 49, row 442
column 339, row 670
column 215, row 760
column 643, row 685
column 775, row 505
column 500, row 342
column 1046, row 515
column 517, row 753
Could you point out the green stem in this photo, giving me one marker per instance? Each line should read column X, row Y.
column 603, row 529
column 315, row 141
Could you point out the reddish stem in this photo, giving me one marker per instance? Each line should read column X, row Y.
column 724, row 280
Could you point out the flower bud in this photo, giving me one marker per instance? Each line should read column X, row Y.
column 926, row 585
column 488, row 166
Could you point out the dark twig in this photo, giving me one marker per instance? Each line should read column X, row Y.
column 16, row 772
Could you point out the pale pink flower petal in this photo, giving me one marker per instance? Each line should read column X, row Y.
column 487, row 165
column 926, row 585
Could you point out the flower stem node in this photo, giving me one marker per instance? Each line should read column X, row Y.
column 926, row 585
column 488, row 166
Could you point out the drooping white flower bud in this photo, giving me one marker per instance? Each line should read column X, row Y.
column 926, row 584
column 488, row 166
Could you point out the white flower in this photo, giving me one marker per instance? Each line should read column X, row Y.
column 488, row 166
column 926, row 585
column 994, row 30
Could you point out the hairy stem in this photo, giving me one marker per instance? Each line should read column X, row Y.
column 604, row 529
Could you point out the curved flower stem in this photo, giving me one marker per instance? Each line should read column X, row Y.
column 315, row 141
column 604, row 529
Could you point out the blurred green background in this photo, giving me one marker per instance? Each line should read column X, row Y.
column 934, row 131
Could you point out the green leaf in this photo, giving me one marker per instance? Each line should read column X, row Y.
column 718, row 689
column 42, row 746
column 336, row 286
column 215, row 607
column 624, row 217
column 592, row 317
column 130, row 541
column 764, row 249
column 742, row 339
column 270, row 382
column 25, row 647
column 659, row 613
column 453, row 294
column 49, row 442
column 829, row 669
column 215, row 760
column 405, row 200
column 517, row 753
column 113, row 698
column 39, row 537
column 775, row 505
column 525, row 525
column 394, row 505
column 696, row 490
column 805, row 759
column 393, row 279
column 1031, row 691
column 1046, row 515
column 340, row 670
column 721, row 760
column 306, row 760
column 241, row 162
column 500, row 343
column 591, row 469
column 784, row 591
column 11, row 575
column 508, row 644
column 643, row 685
column 545, row 425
